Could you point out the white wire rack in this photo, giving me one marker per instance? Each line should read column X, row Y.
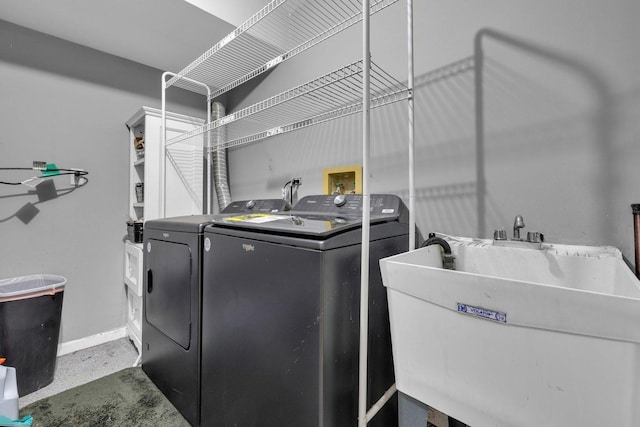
column 333, row 95
column 279, row 31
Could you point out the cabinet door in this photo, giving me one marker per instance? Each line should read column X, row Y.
column 174, row 178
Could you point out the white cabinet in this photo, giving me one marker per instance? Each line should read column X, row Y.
column 163, row 182
column 133, row 280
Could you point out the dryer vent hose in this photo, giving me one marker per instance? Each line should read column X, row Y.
column 220, row 173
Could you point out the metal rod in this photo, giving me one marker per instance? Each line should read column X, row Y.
column 636, row 233
column 209, row 175
column 381, row 402
column 479, row 106
column 366, row 217
column 412, row 186
column 163, row 142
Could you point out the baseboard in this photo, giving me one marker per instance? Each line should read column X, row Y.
column 91, row 341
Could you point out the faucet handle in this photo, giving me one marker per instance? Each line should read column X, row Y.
column 500, row 234
column 535, row 237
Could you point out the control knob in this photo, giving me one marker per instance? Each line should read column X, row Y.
column 250, row 204
column 340, row 200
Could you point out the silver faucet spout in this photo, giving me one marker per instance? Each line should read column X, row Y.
column 518, row 223
column 534, row 238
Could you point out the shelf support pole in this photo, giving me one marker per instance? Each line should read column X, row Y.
column 365, row 416
column 163, row 145
column 366, row 217
column 410, row 78
column 207, row 205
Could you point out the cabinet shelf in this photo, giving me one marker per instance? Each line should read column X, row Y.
column 331, row 96
column 276, row 33
column 139, row 162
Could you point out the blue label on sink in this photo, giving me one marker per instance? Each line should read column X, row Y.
column 482, row 312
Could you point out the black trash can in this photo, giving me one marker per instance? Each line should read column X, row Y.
column 30, row 311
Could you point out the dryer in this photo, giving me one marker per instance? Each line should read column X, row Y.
column 171, row 321
column 281, row 301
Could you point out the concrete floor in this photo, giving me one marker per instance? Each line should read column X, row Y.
column 96, row 362
column 86, row 365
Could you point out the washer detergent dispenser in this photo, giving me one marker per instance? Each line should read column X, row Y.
column 281, row 304
column 171, row 322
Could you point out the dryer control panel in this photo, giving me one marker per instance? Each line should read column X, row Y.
column 257, row 205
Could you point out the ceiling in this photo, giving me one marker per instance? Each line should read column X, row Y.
column 234, row 12
column 164, row 34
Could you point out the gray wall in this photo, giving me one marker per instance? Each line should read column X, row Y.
column 560, row 114
column 561, row 85
column 67, row 104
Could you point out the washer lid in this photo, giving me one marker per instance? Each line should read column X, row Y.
column 301, row 224
column 196, row 223
column 317, row 216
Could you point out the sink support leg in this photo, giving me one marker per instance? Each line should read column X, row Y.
column 636, row 232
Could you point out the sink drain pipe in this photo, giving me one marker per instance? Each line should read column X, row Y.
column 636, row 233
column 448, row 259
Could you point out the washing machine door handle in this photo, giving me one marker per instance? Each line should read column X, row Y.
column 149, row 281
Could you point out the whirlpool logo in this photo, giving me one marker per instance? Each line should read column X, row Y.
column 248, row 248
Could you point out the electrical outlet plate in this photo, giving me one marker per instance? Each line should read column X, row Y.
column 342, row 180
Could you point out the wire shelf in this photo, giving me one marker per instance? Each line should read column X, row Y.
column 333, row 95
column 279, row 31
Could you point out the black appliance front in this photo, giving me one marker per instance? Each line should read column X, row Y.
column 282, row 314
column 171, row 321
column 171, row 310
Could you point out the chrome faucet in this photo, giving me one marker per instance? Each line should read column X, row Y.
column 518, row 223
column 534, row 238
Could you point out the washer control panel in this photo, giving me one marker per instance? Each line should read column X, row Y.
column 381, row 204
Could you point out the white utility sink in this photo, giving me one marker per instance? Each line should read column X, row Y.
column 518, row 336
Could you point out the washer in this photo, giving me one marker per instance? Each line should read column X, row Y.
column 281, row 301
column 171, row 321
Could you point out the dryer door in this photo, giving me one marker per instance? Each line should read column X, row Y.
column 167, row 293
